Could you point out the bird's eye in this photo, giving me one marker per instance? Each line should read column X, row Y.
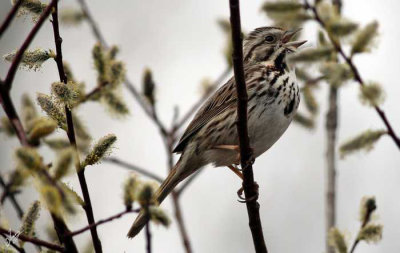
column 269, row 38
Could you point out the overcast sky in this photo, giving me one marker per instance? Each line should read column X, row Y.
column 180, row 41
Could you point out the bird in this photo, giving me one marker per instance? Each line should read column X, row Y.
column 273, row 99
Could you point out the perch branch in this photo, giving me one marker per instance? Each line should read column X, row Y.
column 249, row 186
column 71, row 135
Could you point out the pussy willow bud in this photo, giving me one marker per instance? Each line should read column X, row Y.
column 371, row 233
column 52, row 198
column 145, row 193
column 115, row 104
column 336, row 240
column 148, row 86
column 6, row 126
column 51, row 109
column 158, row 216
column 112, row 52
column 312, row 55
column 309, row 99
column 117, row 73
column 42, row 127
column 80, row 129
column 29, row 112
column 64, row 162
column 372, row 94
column 367, row 206
column 341, row 27
column 29, row 158
column 57, row 144
column 72, row 194
column 68, row 94
column 33, row 7
column 29, row 220
column 365, row 141
column 68, row 72
column 130, row 188
column 18, row 178
column 32, row 59
column 281, row 6
column 72, row 16
column 100, row 62
column 305, row 121
column 365, row 38
column 335, row 73
column 100, row 149
column 225, row 25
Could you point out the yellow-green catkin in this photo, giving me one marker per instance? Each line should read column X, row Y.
column 364, row 141
column 67, row 94
column 32, row 59
column 145, row 193
column 100, row 62
column 32, row 7
column 367, row 206
column 372, row 94
column 29, row 158
column 73, row 195
column 52, row 109
column 116, row 73
column 310, row 100
column 286, row 14
column 100, row 149
column 29, row 220
column 148, row 86
column 42, row 127
column 80, row 129
column 29, row 113
column 335, row 73
column 282, row 6
column 72, row 16
column 115, row 104
column 63, row 164
column 303, row 120
column 57, row 144
column 371, row 233
column 341, row 27
column 365, row 38
column 337, row 240
column 18, row 178
column 312, row 55
column 158, row 216
column 52, row 198
column 6, row 126
column 130, row 188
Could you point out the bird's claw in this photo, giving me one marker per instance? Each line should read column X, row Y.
column 252, row 198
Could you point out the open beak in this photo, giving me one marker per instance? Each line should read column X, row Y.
column 293, row 45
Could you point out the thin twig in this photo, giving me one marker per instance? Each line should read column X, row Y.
column 13, row 200
column 18, row 57
column 148, row 233
column 35, row 241
column 10, row 17
column 100, row 222
column 364, row 223
column 249, row 186
column 71, row 135
column 356, row 73
column 129, row 166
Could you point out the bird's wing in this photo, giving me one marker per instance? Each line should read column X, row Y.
column 223, row 98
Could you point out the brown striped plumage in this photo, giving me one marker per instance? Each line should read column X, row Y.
column 273, row 100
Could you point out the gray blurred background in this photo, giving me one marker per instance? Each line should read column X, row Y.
column 181, row 42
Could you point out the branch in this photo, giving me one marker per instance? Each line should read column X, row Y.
column 134, row 168
column 13, row 200
column 356, row 73
column 18, row 57
column 10, row 17
column 249, row 186
column 147, row 228
column 93, row 225
column 35, row 241
column 71, row 134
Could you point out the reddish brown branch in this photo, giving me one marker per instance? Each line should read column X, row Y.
column 35, row 241
column 71, row 134
column 10, row 17
column 98, row 223
column 249, row 186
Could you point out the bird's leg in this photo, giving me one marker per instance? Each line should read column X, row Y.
column 237, row 149
column 236, row 171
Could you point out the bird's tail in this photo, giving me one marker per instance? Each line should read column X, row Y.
column 162, row 192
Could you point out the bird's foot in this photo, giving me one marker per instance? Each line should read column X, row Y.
column 252, row 198
column 236, row 170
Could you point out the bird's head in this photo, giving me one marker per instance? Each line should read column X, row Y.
column 270, row 44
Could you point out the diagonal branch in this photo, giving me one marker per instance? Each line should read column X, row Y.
column 10, row 17
column 35, row 241
column 249, row 186
column 71, row 135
